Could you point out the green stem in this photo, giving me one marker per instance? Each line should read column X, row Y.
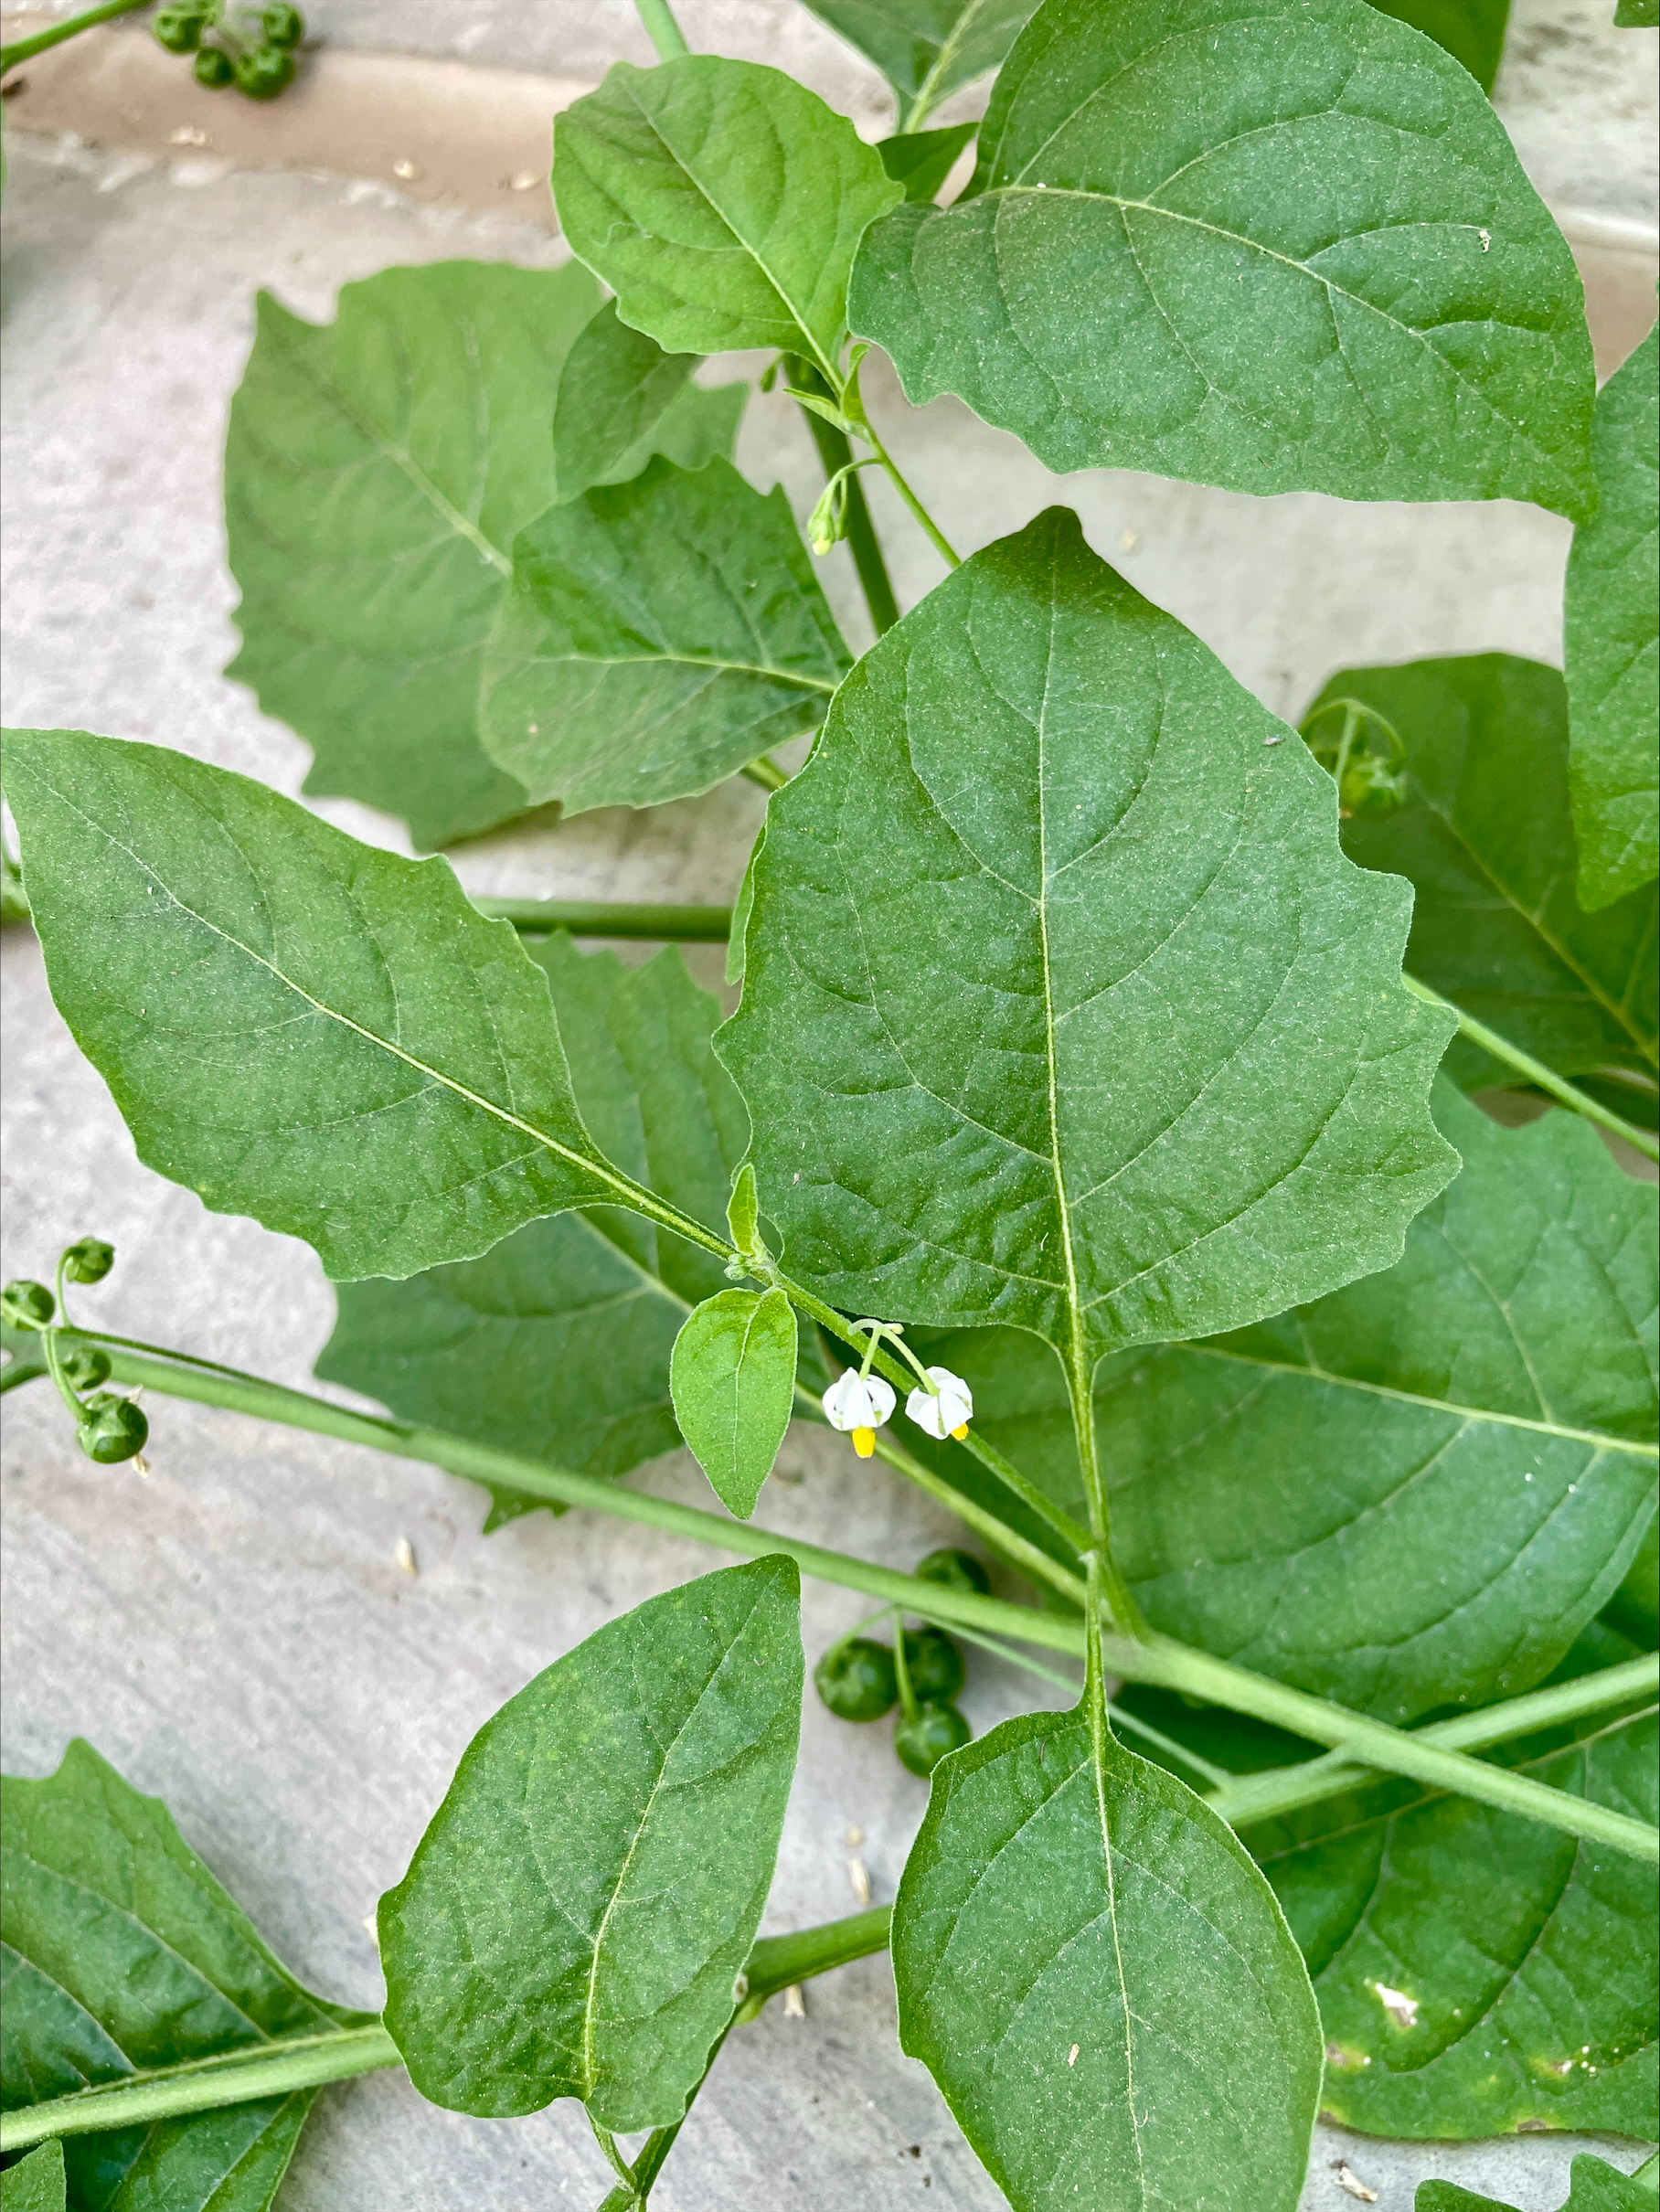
column 202, row 2084
column 1031, row 1559
column 1641, row 1139
column 662, row 29
column 25, row 49
column 594, row 917
column 936, row 536
column 861, row 540
column 1158, row 1659
column 766, row 773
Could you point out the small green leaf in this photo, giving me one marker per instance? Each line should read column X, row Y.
column 1637, row 15
column 36, row 2183
column 572, row 1921
column 733, row 1376
column 1472, row 31
column 1613, row 636
column 123, row 1955
column 1478, row 1972
column 622, row 398
column 743, row 1211
column 1595, row 2187
column 926, row 48
column 1332, row 276
column 556, row 1344
column 922, row 160
column 953, row 977
column 660, row 634
column 1486, row 840
column 1100, row 1981
column 295, row 1026
column 721, row 201
column 378, row 470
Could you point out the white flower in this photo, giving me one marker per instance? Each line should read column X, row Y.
column 859, row 1405
column 950, row 1413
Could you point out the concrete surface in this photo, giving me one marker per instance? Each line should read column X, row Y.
column 234, row 1631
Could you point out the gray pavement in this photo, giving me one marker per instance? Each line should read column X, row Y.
column 235, row 1630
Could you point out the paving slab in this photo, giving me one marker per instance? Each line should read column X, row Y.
column 235, row 1632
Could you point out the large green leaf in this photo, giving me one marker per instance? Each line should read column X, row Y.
column 622, row 398
column 572, row 1921
column 733, row 1377
column 121, row 1953
column 1110, row 1045
column 1612, row 636
column 378, row 470
column 1595, row 2187
column 1100, row 1981
column 922, row 160
column 1316, row 255
column 36, row 2183
column 660, row 634
column 295, row 1026
column 1415, row 1492
column 1472, row 31
column 1478, row 1972
column 721, row 202
column 1487, row 839
column 927, row 49
column 556, row 1344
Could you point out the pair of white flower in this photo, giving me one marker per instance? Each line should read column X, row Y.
column 859, row 1405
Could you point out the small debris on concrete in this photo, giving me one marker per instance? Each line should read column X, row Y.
column 188, row 135
column 858, row 1874
column 1346, row 2179
column 406, row 171
column 1129, row 541
column 855, row 1836
column 371, row 1929
column 405, row 1556
column 795, row 2002
column 523, row 180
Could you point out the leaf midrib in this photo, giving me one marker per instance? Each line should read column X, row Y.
column 689, row 660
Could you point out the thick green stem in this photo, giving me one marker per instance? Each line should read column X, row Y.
column 1641, row 1139
column 835, row 454
column 662, row 29
column 594, row 917
column 24, row 49
column 1157, row 1659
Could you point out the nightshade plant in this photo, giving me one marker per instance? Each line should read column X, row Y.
column 1079, row 1145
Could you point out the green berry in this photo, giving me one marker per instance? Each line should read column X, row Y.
column 113, row 1430
column 955, row 1570
column 27, row 1305
column 214, row 67
column 283, row 26
column 180, row 30
column 1371, row 789
column 265, row 72
column 84, row 1367
column 855, row 1679
column 89, row 1261
column 923, row 1740
column 935, row 1664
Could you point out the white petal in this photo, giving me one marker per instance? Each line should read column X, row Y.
column 955, row 1397
column 882, row 1400
column 926, row 1410
column 855, row 1402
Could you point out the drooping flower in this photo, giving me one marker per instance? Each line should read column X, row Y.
column 859, row 1405
column 950, row 1413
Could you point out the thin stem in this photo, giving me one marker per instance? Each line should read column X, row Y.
column 662, row 29
column 766, row 773
column 201, row 2085
column 1158, row 1659
column 1641, row 1139
column 594, row 917
column 907, row 1696
column 936, row 536
column 615, row 2158
column 1032, row 1560
column 861, row 540
column 1105, row 1578
column 25, row 49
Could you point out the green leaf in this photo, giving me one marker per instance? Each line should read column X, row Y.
column 721, row 201
column 36, row 2183
column 122, row 1954
column 1634, row 1612
column 622, row 398
column 378, row 470
column 1467, row 1496
column 1472, row 31
column 927, row 49
column 922, row 160
column 733, row 1376
column 953, row 980
column 572, row 1921
column 295, row 1026
column 1486, row 840
column 556, row 1344
column 1595, row 2186
column 660, row 635
column 1478, row 1972
column 1611, row 614
column 1320, row 260
column 1100, row 1981
column 1637, row 15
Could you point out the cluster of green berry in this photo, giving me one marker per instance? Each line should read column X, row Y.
column 921, row 1671
column 259, row 63
column 110, row 1428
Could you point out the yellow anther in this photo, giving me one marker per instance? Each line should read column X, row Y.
column 961, row 1433
column 864, row 1441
